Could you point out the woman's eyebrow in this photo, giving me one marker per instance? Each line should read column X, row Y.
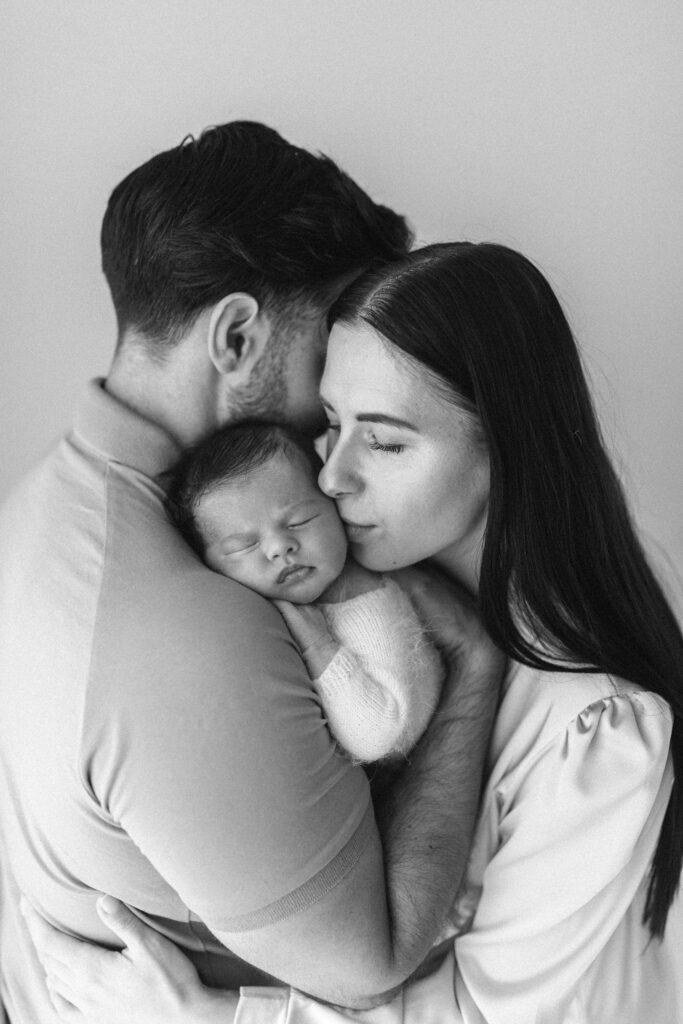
column 376, row 417
column 390, row 421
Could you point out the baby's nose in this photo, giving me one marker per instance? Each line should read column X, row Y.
column 281, row 545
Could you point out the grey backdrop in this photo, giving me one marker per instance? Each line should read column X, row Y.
column 554, row 127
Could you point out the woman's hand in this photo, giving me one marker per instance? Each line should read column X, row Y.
column 149, row 982
column 307, row 625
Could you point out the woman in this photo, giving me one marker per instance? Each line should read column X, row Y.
column 462, row 432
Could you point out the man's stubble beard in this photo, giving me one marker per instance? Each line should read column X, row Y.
column 265, row 396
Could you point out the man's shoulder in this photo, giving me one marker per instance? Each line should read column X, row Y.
column 132, row 603
column 159, row 604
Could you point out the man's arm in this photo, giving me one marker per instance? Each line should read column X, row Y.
column 375, row 927
column 370, row 931
column 212, row 756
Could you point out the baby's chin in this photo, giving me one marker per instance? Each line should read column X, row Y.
column 308, row 598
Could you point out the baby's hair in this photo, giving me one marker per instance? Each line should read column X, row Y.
column 230, row 453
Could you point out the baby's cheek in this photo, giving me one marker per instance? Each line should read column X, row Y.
column 241, row 574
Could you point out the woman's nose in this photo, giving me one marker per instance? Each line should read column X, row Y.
column 336, row 478
column 280, row 545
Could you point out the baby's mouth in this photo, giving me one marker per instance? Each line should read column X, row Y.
column 293, row 573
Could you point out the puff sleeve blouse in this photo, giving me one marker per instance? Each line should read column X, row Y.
column 547, row 928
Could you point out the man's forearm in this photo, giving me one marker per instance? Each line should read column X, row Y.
column 427, row 813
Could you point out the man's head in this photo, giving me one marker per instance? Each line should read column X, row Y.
column 254, row 235
column 247, row 500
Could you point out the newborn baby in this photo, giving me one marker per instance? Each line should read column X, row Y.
column 247, row 501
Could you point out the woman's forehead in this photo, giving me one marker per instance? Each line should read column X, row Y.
column 360, row 363
column 363, row 369
column 366, row 377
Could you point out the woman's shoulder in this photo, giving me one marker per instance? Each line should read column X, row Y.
column 570, row 691
column 541, row 707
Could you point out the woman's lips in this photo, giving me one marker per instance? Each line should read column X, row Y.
column 357, row 531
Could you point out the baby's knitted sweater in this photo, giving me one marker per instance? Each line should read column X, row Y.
column 381, row 688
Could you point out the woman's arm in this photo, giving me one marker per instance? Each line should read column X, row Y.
column 578, row 823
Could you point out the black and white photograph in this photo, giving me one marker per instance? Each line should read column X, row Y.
column 341, row 544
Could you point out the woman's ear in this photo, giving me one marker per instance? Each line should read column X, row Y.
column 238, row 334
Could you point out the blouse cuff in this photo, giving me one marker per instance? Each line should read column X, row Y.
column 260, row 1005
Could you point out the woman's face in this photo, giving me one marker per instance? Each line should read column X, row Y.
column 409, row 476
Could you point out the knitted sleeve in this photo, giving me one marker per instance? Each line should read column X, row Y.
column 381, row 688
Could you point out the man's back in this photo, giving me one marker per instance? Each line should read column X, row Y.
column 155, row 733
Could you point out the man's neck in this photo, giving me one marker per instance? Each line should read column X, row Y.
column 174, row 393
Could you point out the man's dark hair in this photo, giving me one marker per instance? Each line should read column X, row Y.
column 230, row 453
column 237, row 209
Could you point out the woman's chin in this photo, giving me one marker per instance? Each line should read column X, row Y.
column 378, row 561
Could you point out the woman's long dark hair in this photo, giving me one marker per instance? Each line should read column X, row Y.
column 561, row 559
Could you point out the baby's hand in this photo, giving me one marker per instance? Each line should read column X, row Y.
column 307, row 625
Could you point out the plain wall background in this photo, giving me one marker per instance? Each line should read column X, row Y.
column 554, row 127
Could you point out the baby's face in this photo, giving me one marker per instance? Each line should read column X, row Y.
column 274, row 531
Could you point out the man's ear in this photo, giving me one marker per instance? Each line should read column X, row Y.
column 238, row 334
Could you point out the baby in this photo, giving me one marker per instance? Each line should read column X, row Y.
column 247, row 501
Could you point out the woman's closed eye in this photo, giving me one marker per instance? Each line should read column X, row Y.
column 377, row 446
column 333, row 429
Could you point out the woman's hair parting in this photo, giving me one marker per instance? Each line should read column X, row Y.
column 564, row 580
column 230, row 453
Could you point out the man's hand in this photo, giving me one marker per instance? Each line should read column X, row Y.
column 148, row 982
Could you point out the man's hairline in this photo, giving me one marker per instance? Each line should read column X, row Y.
column 277, row 309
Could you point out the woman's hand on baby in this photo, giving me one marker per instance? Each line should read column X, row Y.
column 149, row 982
column 307, row 625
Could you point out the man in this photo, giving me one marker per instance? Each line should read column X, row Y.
column 160, row 738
